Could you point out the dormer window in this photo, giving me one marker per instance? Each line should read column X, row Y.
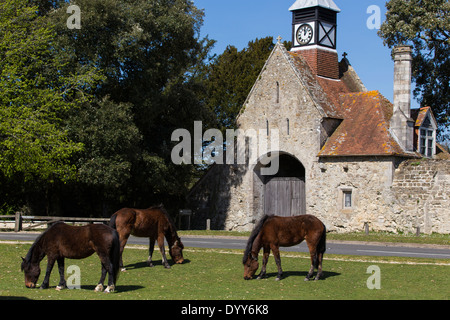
column 426, row 142
column 425, row 132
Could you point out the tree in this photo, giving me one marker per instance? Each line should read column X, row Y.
column 425, row 25
column 231, row 76
column 150, row 56
column 34, row 97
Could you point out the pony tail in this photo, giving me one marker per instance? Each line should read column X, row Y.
column 114, row 256
column 321, row 247
column 112, row 222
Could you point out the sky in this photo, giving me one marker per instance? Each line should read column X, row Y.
column 236, row 22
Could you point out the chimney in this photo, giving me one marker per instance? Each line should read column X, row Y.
column 401, row 123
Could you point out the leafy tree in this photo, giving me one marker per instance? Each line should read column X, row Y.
column 425, row 25
column 34, row 98
column 150, row 56
column 231, row 76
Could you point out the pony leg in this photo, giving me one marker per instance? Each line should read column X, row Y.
column 50, row 263
column 151, row 247
column 163, row 251
column 276, row 254
column 123, row 242
column 62, row 281
column 319, row 267
column 265, row 260
column 99, row 287
column 312, row 253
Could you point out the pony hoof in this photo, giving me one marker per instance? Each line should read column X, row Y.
column 99, row 288
column 59, row 288
column 109, row 289
column 123, row 269
column 167, row 267
column 277, row 279
column 306, row 279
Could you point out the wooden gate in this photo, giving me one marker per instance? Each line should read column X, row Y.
column 285, row 196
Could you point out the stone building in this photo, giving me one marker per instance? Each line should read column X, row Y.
column 346, row 155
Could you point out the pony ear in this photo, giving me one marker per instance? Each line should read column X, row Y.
column 23, row 259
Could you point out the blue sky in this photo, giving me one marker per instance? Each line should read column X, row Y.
column 236, row 22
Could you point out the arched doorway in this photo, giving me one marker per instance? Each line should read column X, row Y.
column 284, row 193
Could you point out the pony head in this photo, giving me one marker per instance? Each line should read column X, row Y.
column 32, row 272
column 251, row 264
column 176, row 251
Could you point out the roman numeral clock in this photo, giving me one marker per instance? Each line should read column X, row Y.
column 314, row 23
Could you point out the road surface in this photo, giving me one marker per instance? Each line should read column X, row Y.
column 333, row 247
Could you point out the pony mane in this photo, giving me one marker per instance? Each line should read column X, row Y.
column 173, row 228
column 29, row 255
column 253, row 235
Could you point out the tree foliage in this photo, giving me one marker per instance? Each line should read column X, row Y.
column 425, row 25
column 231, row 76
column 34, row 97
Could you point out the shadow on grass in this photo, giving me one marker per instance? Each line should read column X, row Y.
column 302, row 274
column 119, row 288
column 144, row 264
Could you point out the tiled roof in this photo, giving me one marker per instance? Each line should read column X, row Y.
column 366, row 116
column 365, row 129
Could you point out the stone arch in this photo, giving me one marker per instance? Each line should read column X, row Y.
column 283, row 193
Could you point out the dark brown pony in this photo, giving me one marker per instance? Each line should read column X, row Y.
column 63, row 241
column 273, row 232
column 154, row 223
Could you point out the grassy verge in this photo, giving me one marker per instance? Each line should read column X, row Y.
column 218, row 275
column 440, row 239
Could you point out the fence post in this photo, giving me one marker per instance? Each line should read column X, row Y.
column 366, row 228
column 208, row 224
column 18, row 222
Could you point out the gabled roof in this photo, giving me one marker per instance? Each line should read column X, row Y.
column 365, row 128
column 302, row 4
column 419, row 115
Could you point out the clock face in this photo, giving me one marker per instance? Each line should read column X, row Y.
column 304, row 34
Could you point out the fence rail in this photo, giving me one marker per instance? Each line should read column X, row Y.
column 37, row 221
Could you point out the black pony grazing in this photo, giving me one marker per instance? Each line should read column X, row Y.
column 63, row 241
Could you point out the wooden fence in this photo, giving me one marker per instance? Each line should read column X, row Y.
column 36, row 221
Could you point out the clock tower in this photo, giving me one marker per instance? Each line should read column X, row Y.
column 314, row 32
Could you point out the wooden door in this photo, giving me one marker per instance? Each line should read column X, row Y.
column 285, row 197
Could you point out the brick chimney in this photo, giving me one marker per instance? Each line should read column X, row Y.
column 401, row 123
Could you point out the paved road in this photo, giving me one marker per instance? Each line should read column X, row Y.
column 333, row 247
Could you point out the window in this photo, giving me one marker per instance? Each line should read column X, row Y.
column 278, row 92
column 348, row 201
column 287, row 124
column 426, row 141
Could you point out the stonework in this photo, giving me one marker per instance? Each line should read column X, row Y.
column 345, row 192
column 421, row 194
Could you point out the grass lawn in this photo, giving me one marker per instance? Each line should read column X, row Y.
column 218, row 275
column 440, row 239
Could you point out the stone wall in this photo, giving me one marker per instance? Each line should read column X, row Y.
column 421, row 190
column 369, row 181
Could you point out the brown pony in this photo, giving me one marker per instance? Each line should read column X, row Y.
column 154, row 223
column 273, row 232
column 63, row 241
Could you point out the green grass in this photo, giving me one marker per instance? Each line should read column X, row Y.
column 218, row 275
column 440, row 239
